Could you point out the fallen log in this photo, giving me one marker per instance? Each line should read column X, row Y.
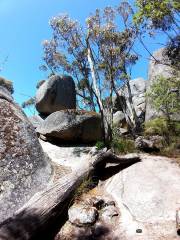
column 46, row 212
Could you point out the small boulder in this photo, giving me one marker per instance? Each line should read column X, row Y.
column 57, row 93
column 149, row 144
column 82, row 215
column 72, row 126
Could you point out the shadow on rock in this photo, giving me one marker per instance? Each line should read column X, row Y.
column 90, row 233
column 110, row 171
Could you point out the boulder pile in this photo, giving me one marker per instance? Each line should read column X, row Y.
column 59, row 120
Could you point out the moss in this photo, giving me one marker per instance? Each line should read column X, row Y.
column 7, row 84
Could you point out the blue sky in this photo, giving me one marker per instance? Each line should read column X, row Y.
column 23, row 27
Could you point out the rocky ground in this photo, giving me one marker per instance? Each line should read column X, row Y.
column 40, row 174
column 138, row 202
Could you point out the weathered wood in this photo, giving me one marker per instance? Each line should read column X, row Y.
column 47, row 210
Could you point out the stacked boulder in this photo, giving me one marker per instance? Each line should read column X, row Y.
column 58, row 93
column 59, row 120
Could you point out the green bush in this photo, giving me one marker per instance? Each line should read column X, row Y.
column 7, row 84
column 100, row 145
column 157, row 126
column 173, row 149
column 123, row 145
column 177, row 128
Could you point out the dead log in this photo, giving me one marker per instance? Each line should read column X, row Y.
column 46, row 212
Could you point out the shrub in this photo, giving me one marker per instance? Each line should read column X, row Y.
column 157, row 126
column 100, row 145
column 123, row 145
column 173, row 149
column 177, row 128
column 7, row 84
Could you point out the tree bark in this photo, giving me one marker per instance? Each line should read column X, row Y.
column 46, row 212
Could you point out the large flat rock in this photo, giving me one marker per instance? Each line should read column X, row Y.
column 148, row 194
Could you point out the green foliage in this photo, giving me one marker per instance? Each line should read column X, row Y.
column 123, row 145
column 7, row 84
column 29, row 102
column 157, row 126
column 163, row 15
column 164, row 94
column 100, row 145
column 172, row 149
column 156, row 13
column 177, row 128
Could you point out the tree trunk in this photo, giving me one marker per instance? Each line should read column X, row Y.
column 46, row 212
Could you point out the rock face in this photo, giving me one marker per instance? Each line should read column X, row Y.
column 156, row 69
column 24, row 169
column 138, row 90
column 72, row 126
column 36, row 120
column 147, row 193
column 57, row 93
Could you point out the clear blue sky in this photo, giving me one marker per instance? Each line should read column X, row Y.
column 23, row 27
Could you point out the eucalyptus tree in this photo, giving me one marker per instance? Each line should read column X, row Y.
column 98, row 56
